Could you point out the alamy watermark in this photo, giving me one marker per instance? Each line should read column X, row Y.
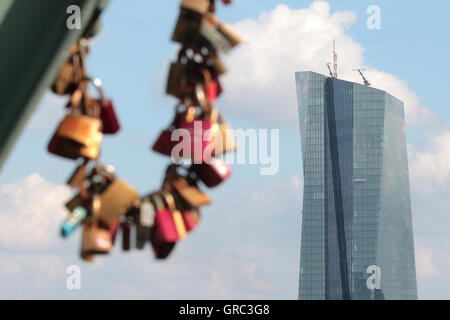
column 374, row 20
column 254, row 147
column 73, row 281
column 73, row 22
column 374, row 280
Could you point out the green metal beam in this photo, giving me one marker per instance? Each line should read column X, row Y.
column 34, row 42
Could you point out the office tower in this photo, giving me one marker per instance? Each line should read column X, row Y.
column 357, row 234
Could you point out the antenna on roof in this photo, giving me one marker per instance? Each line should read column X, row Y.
column 366, row 82
column 329, row 69
column 335, row 59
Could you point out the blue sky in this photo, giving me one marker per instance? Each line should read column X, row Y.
column 248, row 243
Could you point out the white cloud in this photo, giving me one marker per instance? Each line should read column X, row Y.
column 30, row 270
column 429, row 163
column 261, row 82
column 31, row 212
column 424, row 262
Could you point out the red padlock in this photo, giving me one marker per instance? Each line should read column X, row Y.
column 108, row 116
column 164, row 143
column 161, row 249
column 191, row 219
column 165, row 234
column 64, row 148
column 165, row 230
column 202, row 135
column 113, row 228
column 213, row 90
column 213, row 172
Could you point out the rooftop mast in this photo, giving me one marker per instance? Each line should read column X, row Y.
column 366, row 82
column 329, row 69
column 335, row 58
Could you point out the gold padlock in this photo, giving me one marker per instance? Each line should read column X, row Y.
column 200, row 6
column 190, row 194
column 116, row 200
column 80, row 128
column 224, row 135
column 95, row 240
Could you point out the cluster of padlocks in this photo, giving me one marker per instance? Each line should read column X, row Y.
column 105, row 204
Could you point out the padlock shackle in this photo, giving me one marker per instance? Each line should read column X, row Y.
column 97, row 82
column 157, row 201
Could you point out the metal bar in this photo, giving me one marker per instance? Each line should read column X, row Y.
column 34, row 42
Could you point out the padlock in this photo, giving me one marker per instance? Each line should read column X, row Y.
column 224, row 138
column 165, row 233
column 161, row 249
column 199, row 132
column 110, row 122
column 190, row 194
column 117, row 199
column 165, row 228
column 191, row 218
column 64, row 148
column 65, row 82
column 78, row 176
column 113, row 230
column 95, row 240
column 76, row 218
column 187, row 72
column 126, row 235
column 176, row 214
column 202, row 135
column 183, row 183
column 213, row 90
column 213, row 172
column 177, row 81
column 72, row 70
column 221, row 35
column 164, row 143
column 200, row 6
column 80, row 128
column 77, row 201
column 77, row 136
column 145, row 220
column 187, row 29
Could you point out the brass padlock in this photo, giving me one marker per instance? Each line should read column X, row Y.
column 224, row 137
column 177, row 80
column 184, row 186
column 72, row 71
column 116, row 200
column 200, row 6
column 95, row 240
column 187, row 29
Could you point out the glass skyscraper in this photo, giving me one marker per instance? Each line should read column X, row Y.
column 357, row 235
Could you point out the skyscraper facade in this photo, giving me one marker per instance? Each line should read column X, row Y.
column 357, row 234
